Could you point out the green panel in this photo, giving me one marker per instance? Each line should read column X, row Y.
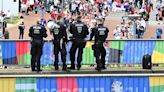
column 25, row 80
column 122, row 44
column 24, row 59
column 88, row 57
column 159, row 46
column 27, row 59
column 114, row 44
column 29, row 90
column 25, row 85
column 157, row 88
column 117, row 45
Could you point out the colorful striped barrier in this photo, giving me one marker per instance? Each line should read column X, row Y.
column 83, row 84
column 119, row 52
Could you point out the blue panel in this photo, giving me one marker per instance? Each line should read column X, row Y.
column 135, row 50
column 10, row 61
column 107, row 58
column 113, row 84
column 46, row 85
column 8, row 50
column 48, row 56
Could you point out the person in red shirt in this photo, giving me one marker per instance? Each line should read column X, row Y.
column 60, row 14
column 53, row 15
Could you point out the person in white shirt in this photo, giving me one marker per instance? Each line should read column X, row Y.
column 73, row 7
column 51, row 8
column 32, row 4
column 143, row 23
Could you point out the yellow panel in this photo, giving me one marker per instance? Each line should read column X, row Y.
column 89, row 44
column 0, row 62
column 156, row 81
column 157, row 57
column 7, row 84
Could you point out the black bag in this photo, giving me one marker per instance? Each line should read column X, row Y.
column 146, row 62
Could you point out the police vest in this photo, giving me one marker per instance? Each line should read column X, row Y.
column 37, row 30
column 101, row 32
column 56, row 31
column 79, row 28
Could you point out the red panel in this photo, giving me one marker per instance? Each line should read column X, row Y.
column 22, row 48
column 67, row 84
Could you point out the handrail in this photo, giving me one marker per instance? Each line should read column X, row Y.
column 39, row 75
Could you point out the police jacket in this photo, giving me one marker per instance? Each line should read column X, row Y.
column 21, row 27
column 37, row 32
column 100, row 32
column 79, row 30
column 60, row 33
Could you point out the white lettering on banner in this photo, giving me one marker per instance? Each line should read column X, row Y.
column 76, row 90
column 64, row 90
column 129, row 89
column 44, row 90
column 54, row 90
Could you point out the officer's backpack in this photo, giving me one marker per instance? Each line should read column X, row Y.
column 146, row 62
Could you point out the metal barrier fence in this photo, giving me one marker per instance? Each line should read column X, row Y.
column 17, row 52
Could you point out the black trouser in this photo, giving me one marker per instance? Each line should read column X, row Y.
column 99, row 50
column 32, row 7
column 36, row 52
column 77, row 45
column 57, row 49
column 21, row 34
column 3, row 30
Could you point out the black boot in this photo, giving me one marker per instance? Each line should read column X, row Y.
column 64, row 67
column 78, row 67
column 72, row 67
column 56, row 66
column 39, row 70
column 103, row 67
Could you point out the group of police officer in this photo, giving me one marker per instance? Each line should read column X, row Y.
column 79, row 31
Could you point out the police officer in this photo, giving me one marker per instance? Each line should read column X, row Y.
column 79, row 32
column 37, row 33
column 60, row 40
column 100, row 33
column 21, row 30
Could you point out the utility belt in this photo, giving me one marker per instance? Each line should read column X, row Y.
column 78, row 40
column 97, row 44
column 37, row 41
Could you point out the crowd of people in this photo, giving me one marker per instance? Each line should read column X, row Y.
column 143, row 9
column 90, row 10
